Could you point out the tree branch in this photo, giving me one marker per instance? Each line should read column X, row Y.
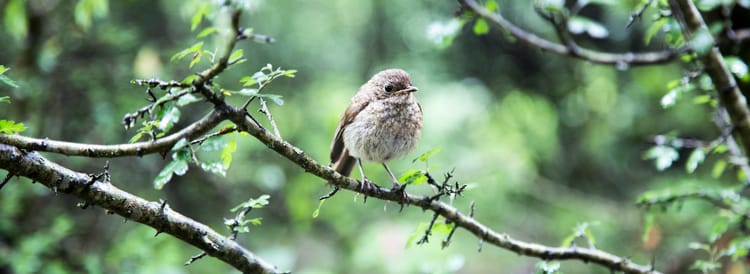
column 481, row 231
column 154, row 214
column 729, row 93
column 108, row 151
column 645, row 58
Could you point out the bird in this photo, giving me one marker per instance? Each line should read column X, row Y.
column 382, row 122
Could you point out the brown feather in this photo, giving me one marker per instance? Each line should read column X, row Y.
column 337, row 146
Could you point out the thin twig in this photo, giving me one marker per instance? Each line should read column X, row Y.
column 6, row 180
column 108, row 151
column 264, row 109
column 618, row 59
column 428, row 231
column 130, row 119
column 222, row 131
column 638, row 13
column 195, row 258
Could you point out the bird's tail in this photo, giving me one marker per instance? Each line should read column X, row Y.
column 345, row 164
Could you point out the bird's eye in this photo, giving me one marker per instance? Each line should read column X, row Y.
column 388, row 88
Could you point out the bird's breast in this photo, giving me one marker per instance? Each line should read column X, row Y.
column 385, row 129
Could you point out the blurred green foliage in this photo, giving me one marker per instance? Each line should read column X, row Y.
column 548, row 145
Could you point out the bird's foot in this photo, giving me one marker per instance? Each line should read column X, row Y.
column 366, row 186
column 400, row 190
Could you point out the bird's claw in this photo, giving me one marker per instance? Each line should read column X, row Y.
column 366, row 186
column 400, row 190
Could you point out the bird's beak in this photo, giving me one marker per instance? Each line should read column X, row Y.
column 410, row 89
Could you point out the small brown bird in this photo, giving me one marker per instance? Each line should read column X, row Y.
column 382, row 122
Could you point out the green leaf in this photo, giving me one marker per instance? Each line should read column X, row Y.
column 187, row 99
column 275, row 98
column 316, row 213
column 719, row 228
column 206, row 32
column 702, row 99
column 654, row 29
column 552, row 6
column 695, row 159
column 670, row 98
column 481, row 27
column 492, row 6
column 442, row 228
column 213, row 143
column 426, row 156
column 196, row 58
column 11, row 127
column 198, row 16
column 226, row 153
column 721, row 148
column 741, row 245
column 136, row 137
column 259, row 202
column 706, row 266
column 248, row 81
column 708, row 5
column 260, row 76
column 699, row 246
column 719, row 167
column 215, row 168
column 183, row 142
column 197, row 47
column 86, row 10
column 6, row 80
column 546, row 267
column 16, row 22
column 416, row 234
column 182, row 155
column 413, row 177
column 236, row 55
column 169, row 116
column 737, row 67
column 663, row 156
column 248, row 92
column 189, row 79
column 601, row 2
column 568, row 241
column 5, row 99
column 290, row 73
column 702, row 41
column 255, row 221
column 178, row 167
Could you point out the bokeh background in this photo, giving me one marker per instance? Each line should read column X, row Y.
column 544, row 142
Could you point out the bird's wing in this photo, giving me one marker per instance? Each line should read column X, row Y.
column 337, row 146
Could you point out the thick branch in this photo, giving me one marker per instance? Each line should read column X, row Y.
column 481, row 231
column 136, row 149
column 154, row 214
column 645, row 58
column 729, row 93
